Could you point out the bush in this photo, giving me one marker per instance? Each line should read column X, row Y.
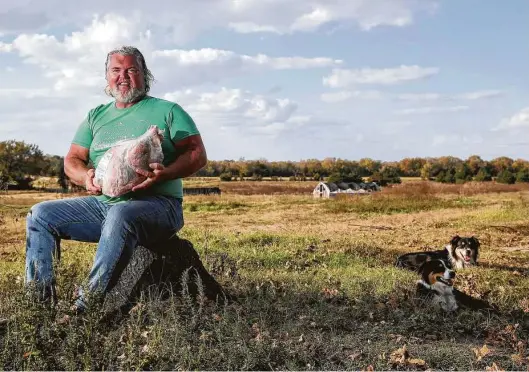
column 347, row 178
column 225, row 177
column 483, row 175
column 440, row 176
column 506, row 176
column 522, row 175
column 334, row 178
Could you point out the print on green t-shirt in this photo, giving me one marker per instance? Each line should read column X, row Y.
column 107, row 125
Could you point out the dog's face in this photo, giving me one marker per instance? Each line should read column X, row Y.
column 465, row 250
column 436, row 274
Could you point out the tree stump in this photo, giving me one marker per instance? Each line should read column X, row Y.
column 161, row 268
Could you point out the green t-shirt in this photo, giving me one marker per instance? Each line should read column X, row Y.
column 106, row 125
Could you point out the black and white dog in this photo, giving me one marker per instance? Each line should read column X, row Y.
column 458, row 254
column 436, row 287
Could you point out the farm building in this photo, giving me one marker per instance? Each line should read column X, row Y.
column 329, row 190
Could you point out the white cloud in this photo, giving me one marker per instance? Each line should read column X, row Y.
column 468, row 96
column 443, row 139
column 518, row 120
column 386, row 76
column 334, row 97
column 420, row 97
column 77, row 61
column 430, row 110
column 238, row 108
column 218, row 56
column 6, row 48
column 250, row 27
column 197, row 66
column 184, row 19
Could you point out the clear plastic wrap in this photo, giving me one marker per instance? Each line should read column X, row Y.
column 116, row 172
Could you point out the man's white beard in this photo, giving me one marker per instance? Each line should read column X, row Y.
column 130, row 96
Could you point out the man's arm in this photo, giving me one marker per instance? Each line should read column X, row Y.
column 190, row 159
column 75, row 167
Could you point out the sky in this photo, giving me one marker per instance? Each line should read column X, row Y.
column 283, row 79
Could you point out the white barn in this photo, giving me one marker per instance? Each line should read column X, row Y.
column 329, row 190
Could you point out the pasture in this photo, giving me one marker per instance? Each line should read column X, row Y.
column 314, row 279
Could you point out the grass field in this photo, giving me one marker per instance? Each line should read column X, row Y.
column 315, row 281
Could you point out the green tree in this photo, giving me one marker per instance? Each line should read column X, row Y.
column 463, row 173
column 506, row 176
column 483, row 175
column 334, row 177
column 449, row 176
column 522, row 175
column 225, row 177
column 18, row 161
column 440, row 176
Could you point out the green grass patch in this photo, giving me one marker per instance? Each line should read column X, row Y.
column 394, row 204
column 214, row 206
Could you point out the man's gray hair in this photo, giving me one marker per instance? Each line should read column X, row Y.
column 127, row 50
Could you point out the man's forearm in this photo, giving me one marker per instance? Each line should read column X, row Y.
column 76, row 170
column 186, row 164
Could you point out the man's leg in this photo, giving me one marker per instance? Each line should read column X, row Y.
column 142, row 221
column 49, row 222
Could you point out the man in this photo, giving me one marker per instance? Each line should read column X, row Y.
column 152, row 211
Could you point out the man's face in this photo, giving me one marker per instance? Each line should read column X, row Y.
column 125, row 78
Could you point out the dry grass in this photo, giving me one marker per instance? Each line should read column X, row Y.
column 416, row 188
column 315, row 279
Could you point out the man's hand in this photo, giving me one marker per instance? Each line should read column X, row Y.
column 152, row 177
column 92, row 188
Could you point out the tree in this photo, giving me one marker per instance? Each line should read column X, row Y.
column 474, row 163
column 483, row 175
column 522, row 175
column 463, row 173
column 426, row 171
column 62, row 179
column 411, row 167
column 500, row 164
column 225, row 176
column 334, row 178
column 450, row 176
column 19, row 160
column 506, row 176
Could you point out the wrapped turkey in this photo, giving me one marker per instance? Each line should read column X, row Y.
column 116, row 172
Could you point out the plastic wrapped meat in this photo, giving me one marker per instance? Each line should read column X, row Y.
column 116, row 174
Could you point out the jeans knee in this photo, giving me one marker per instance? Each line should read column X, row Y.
column 40, row 217
column 38, row 212
column 118, row 219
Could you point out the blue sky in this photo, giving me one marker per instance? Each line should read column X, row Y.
column 284, row 80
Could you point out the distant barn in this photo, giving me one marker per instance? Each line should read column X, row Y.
column 201, row 191
column 329, row 190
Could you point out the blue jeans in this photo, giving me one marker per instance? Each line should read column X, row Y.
column 118, row 228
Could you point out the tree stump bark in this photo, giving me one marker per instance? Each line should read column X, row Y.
column 162, row 269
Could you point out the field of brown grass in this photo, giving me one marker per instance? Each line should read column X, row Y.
column 316, row 281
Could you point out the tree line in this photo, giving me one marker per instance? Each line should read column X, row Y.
column 21, row 162
column 446, row 169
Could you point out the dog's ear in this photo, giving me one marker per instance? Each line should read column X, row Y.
column 421, row 267
column 475, row 240
column 455, row 240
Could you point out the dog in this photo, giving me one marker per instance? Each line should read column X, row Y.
column 460, row 253
column 436, row 288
